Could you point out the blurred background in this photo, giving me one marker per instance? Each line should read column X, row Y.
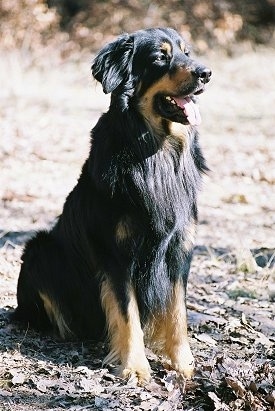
column 70, row 24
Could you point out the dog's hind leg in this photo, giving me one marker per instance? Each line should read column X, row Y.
column 40, row 286
column 126, row 336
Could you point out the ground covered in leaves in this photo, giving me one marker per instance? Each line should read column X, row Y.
column 47, row 111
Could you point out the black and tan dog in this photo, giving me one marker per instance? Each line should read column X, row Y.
column 118, row 258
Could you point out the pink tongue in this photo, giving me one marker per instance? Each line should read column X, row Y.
column 190, row 110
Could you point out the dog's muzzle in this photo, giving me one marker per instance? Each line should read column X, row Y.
column 203, row 74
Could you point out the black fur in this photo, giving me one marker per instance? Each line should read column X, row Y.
column 131, row 175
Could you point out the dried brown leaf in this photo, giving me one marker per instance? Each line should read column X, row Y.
column 236, row 199
column 236, row 386
column 270, row 398
column 253, row 387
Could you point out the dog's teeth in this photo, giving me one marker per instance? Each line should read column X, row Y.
column 170, row 99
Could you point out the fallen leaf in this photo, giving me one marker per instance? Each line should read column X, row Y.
column 101, row 402
column 145, row 396
column 206, row 339
column 5, row 393
column 244, row 320
column 201, row 318
column 149, row 405
column 218, row 404
column 265, row 385
column 18, row 379
column 86, row 384
column 42, row 385
column 263, row 340
column 240, row 340
column 236, row 199
column 165, row 406
column 236, row 386
column 169, row 382
column 233, row 324
column 270, row 398
column 253, row 387
column 115, row 404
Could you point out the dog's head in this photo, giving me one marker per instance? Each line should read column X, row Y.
column 153, row 71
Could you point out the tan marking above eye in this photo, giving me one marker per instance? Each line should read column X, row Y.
column 185, row 48
column 166, row 47
column 182, row 46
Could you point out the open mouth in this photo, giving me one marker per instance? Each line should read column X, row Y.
column 181, row 109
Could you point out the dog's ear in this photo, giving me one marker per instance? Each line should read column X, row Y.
column 112, row 66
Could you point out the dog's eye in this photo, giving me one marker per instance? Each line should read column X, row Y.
column 162, row 57
column 187, row 52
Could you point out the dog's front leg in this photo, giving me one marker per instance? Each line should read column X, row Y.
column 125, row 335
column 176, row 340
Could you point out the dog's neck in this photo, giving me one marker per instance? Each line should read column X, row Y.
column 163, row 129
column 171, row 133
column 148, row 131
column 178, row 132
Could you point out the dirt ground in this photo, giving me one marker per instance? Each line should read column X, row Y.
column 47, row 109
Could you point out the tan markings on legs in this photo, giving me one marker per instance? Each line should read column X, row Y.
column 176, row 345
column 168, row 333
column 155, row 333
column 55, row 315
column 126, row 336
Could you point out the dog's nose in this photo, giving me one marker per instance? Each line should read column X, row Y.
column 203, row 73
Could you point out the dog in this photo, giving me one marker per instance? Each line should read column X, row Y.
column 115, row 264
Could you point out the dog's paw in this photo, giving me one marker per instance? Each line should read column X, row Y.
column 137, row 375
column 184, row 362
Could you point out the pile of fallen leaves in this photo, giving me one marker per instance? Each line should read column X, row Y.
column 31, row 26
column 235, row 364
column 68, row 25
column 208, row 23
